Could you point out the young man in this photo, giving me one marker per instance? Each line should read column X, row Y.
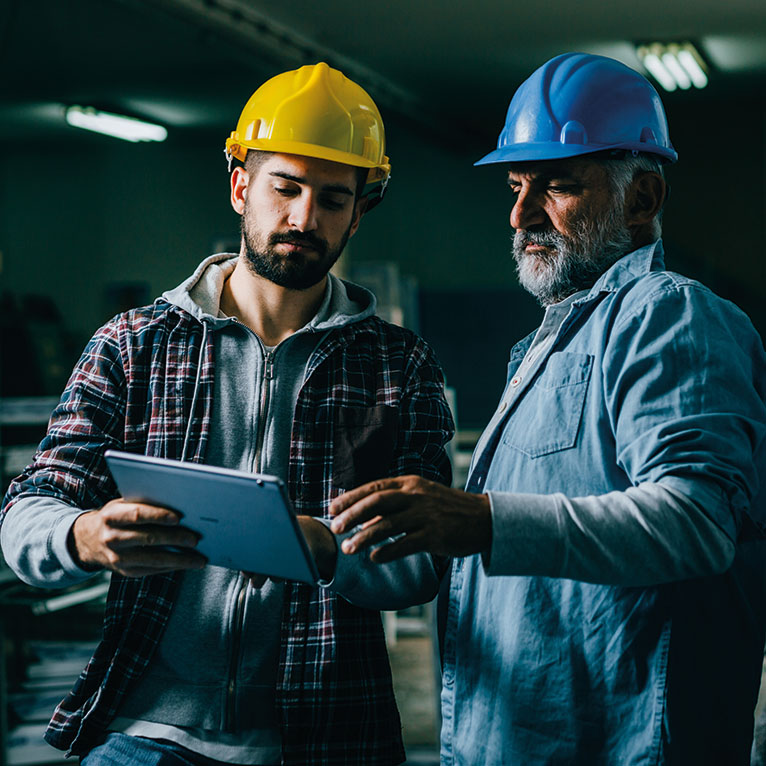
column 261, row 362
column 609, row 604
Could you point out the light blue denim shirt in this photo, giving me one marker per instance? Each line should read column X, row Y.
column 650, row 379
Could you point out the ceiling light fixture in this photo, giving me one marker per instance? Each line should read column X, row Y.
column 674, row 65
column 117, row 125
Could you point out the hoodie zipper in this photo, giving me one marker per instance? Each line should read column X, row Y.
column 244, row 584
column 268, row 376
column 236, row 643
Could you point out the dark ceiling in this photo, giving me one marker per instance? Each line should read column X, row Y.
column 449, row 66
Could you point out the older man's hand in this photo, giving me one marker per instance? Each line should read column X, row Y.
column 421, row 515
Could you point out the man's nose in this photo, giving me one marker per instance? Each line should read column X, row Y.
column 527, row 210
column 303, row 213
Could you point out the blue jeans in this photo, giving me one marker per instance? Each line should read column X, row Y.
column 125, row 750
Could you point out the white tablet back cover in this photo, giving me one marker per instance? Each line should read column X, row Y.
column 245, row 520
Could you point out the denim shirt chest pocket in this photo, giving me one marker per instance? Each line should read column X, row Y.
column 547, row 416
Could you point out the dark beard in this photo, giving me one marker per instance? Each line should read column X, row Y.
column 295, row 271
column 576, row 262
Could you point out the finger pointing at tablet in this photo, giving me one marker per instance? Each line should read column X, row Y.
column 133, row 539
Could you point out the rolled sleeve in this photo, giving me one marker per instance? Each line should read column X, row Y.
column 34, row 538
column 687, row 397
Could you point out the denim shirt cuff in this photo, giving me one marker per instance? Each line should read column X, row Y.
column 526, row 535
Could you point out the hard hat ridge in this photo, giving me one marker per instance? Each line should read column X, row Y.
column 577, row 104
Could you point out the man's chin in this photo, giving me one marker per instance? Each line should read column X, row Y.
column 533, row 266
column 540, row 258
column 295, row 281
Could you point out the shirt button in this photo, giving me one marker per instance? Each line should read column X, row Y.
column 502, row 407
column 516, row 380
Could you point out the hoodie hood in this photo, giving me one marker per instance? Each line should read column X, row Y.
column 200, row 295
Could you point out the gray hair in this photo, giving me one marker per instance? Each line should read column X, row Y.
column 622, row 170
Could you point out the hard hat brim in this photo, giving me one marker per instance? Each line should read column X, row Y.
column 311, row 150
column 539, row 152
column 377, row 171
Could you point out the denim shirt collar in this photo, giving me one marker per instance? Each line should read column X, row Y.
column 629, row 267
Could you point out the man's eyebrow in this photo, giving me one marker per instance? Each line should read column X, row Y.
column 333, row 188
column 561, row 174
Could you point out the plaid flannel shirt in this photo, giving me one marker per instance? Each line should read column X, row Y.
column 145, row 384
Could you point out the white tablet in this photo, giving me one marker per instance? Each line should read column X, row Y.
column 245, row 520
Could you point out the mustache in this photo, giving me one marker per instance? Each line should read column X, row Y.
column 524, row 237
column 307, row 239
column 549, row 239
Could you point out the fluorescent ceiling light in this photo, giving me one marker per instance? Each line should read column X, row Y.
column 676, row 70
column 117, row 125
column 674, row 65
column 657, row 69
column 693, row 68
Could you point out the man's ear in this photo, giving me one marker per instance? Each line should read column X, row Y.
column 359, row 208
column 239, row 181
column 644, row 199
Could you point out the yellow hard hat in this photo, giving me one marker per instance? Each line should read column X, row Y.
column 318, row 112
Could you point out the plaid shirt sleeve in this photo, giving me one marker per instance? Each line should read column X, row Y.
column 425, row 427
column 426, row 421
column 424, row 445
column 67, row 473
column 88, row 419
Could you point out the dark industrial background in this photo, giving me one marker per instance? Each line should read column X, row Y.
column 90, row 225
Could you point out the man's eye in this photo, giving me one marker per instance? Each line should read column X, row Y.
column 332, row 204
column 563, row 188
column 285, row 191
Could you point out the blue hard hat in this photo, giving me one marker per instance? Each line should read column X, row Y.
column 578, row 103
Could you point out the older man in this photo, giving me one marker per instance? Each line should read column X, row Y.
column 607, row 602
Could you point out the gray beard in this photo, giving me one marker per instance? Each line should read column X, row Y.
column 575, row 262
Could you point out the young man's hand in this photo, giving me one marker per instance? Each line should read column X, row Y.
column 134, row 540
column 321, row 543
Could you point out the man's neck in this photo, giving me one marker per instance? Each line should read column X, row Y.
column 272, row 312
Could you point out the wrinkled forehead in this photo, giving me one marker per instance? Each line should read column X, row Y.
column 574, row 168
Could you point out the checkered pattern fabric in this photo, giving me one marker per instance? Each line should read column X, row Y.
column 142, row 381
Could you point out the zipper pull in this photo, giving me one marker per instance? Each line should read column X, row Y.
column 269, row 370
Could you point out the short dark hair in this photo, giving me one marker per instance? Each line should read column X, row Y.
column 256, row 157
